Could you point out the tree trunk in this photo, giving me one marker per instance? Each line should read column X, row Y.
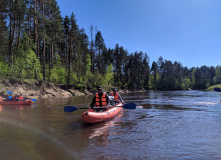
column 35, row 25
column 43, row 47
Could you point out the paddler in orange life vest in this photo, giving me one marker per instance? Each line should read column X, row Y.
column 101, row 100
column 20, row 97
column 117, row 97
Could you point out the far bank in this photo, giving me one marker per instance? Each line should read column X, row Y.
column 32, row 88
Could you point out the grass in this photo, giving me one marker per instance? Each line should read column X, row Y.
column 30, row 81
column 214, row 86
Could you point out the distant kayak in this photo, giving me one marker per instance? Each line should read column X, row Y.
column 91, row 116
column 16, row 102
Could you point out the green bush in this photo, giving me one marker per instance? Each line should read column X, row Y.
column 58, row 75
column 214, row 86
column 4, row 69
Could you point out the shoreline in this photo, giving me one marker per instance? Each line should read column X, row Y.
column 32, row 88
column 37, row 89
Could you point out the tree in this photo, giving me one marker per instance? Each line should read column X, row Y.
column 161, row 71
column 154, row 69
column 178, row 73
column 26, row 64
column 100, row 48
column 146, row 71
column 92, row 52
column 72, row 38
column 199, row 83
column 217, row 78
column 3, row 27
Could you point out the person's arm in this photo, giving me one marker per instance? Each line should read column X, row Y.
column 108, row 100
column 120, row 99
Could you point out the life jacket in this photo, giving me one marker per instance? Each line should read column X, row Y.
column 21, row 98
column 116, row 97
column 100, row 101
column 0, row 98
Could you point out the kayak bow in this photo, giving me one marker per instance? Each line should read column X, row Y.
column 91, row 116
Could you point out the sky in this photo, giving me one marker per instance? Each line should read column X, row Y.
column 186, row 31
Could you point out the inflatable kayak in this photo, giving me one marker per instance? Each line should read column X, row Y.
column 91, row 116
column 16, row 102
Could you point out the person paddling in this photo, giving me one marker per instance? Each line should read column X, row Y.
column 116, row 95
column 21, row 97
column 101, row 101
column 9, row 98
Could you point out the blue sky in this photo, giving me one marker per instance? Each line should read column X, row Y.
column 187, row 31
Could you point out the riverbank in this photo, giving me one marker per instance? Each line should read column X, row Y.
column 32, row 88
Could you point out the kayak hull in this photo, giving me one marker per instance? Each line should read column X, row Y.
column 90, row 116
column 16, row 102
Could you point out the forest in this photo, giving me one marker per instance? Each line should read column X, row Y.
column 36, row 42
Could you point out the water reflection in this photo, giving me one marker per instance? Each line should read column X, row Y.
column 16, row 107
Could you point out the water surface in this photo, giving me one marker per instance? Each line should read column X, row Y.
column 165, row 125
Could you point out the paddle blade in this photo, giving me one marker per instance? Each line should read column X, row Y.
column 9, row 92
column 129, row 106
column 70, row 108
column 34, row 100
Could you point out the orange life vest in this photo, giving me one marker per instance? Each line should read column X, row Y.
column 100, row 101
column 21, row 98
column 116, row 97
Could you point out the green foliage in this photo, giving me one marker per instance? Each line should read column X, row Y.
column 217, row 78
column 186, row 84
column 213, row 86
column 88, row 77
column 58, row 75
column 107, row 79
column 26, row 64
column 109, row 76
column 31, row 81
column 98, row 78
column 4, row 69
column 58, row 46
column 73, row 78
column 193, row 77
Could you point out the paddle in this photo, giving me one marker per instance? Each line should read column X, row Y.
column 34, row 100
column 9, row 92
column 73, row 108
column 129, row 106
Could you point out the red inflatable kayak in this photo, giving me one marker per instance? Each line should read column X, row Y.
column 91, row 116
column 16, row 102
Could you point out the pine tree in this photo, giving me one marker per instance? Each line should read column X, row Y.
column 100, row 48
column 154, row 68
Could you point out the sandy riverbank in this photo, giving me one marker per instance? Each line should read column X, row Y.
column 37, row 89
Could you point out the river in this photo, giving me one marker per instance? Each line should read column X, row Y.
column 165, row 125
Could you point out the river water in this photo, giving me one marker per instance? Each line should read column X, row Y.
column 165, row 125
